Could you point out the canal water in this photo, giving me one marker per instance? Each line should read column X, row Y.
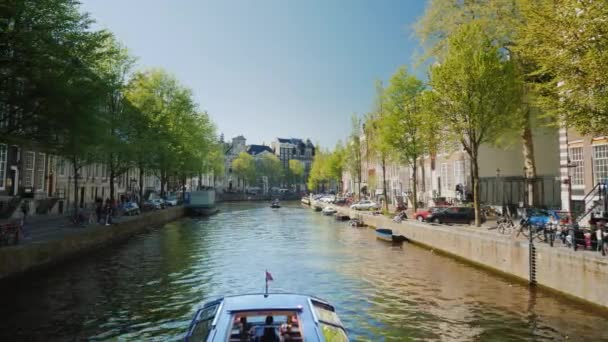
column 148, row 288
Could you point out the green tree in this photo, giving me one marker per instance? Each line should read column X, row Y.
column 296, row 171
column 48, row 48
column 477, row 91
column 354, row 160
column 500, row 20
column 270, row 166
column 335, row 164
column 244, row 168
column 116, row 147
column 177, row 134
column 566, row 41
column 318, row 171
column 377, row 148
column 403, row 128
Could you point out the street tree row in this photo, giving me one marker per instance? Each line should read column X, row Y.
column 498, row 68
column 71, row 90
column 252, row 171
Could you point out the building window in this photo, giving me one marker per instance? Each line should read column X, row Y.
column 3, row 158
column 459, row 172
column 444, row 178
column 577, row 173
column 61, row 166
column 40, row 171
column 600, row 163
column 28, row 169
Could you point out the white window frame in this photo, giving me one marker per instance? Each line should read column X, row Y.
column 458, row 178
column 604, row 160
column 3, row 165
column 28, row 179
column 577, row 174
column 40, row 170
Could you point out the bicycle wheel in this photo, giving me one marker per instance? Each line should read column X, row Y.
column 523, row 230
column 540, row 236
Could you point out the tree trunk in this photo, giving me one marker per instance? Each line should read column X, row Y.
column 384, row 183
column 528, row 154
column 475, row 172
column 75, row 167
column 163, row 179
column 141, row 186
column 183, row 188
column 414, row 187
column 112, row 176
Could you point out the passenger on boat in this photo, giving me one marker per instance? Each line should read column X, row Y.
column 270, row 334
column 244, row 329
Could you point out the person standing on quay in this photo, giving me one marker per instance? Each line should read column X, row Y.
column 24, row 211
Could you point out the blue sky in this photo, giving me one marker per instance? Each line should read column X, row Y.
column 271, row 68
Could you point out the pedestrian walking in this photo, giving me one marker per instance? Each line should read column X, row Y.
column 108, row 209
column 599, row 234
column 24, row 211
column 99, row 209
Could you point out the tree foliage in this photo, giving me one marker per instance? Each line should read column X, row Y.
column 476, row 92
column 270, row 166
column 354, row 158
column 567, row 42
column 244, row 168
column 405, row 127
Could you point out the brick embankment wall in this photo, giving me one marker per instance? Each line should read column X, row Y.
column 582, row 274
column 15, row 260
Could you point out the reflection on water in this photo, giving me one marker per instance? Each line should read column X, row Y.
column 148, row 288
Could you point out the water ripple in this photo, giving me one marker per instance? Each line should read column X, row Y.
column 149, row 288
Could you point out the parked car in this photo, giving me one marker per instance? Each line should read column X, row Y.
column 540, row 217
column 155, row 203
column 453, row 215
column 130, row 208
column 171, row 201
column 422, row 214
column 365, row 205
column 328, row 199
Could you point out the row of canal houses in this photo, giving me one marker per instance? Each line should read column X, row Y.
column 569, row 167
column 45, row 182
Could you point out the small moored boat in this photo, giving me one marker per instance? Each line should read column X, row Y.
column 355, row 222
column 387, row 235
column 275, row 204
column 305, row 200
column 329, row 211
column 342, row 217
column 261, row 317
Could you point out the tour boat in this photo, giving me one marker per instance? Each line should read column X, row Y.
column 260, row 317
column 387, row 235
column 329, row 211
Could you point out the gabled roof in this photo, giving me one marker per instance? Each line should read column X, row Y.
column 257, row 149
column 294, row 141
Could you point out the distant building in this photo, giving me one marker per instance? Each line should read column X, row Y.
column 293, row 148
column 231, row 151
column 257, row 151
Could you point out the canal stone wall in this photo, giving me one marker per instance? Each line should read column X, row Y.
column 582, row 275
column 15, row 260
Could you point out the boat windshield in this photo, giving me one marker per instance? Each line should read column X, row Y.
column 252, row 326
column 330, row 324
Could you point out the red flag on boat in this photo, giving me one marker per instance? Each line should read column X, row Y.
column 268, row 276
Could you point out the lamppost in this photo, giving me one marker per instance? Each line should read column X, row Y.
column 525, row 192
column 499, row 188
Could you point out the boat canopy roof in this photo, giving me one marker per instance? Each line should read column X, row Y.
column 248, row 317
